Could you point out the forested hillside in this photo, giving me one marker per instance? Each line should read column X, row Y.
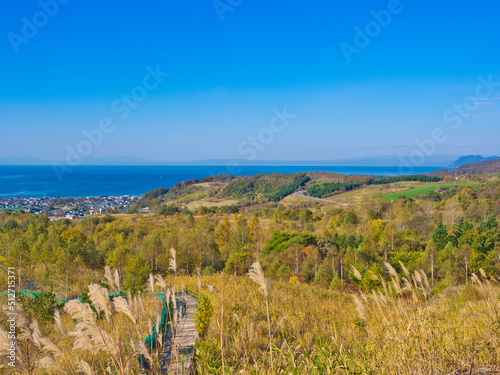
column 449, row 234
column 487, row 166
column 264, row 187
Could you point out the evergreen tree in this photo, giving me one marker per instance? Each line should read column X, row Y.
column 440, row 235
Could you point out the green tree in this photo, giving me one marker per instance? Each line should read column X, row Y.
column 135, row 274
column 440, row 235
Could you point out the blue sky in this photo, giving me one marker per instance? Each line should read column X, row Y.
column 231, row 69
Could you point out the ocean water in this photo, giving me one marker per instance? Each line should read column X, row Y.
column 87, row 181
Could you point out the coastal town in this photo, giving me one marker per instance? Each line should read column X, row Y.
column 69, row 208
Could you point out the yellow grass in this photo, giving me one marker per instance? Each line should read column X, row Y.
column 401, row 329
column 316, row 331
column 211, row 203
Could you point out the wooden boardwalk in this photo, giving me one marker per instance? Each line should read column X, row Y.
column 178, row 352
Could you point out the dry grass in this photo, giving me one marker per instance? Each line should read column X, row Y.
column 315, row 331
column 211, row 203
column 291, row 329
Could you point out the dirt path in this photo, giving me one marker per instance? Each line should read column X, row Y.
column 302, row 194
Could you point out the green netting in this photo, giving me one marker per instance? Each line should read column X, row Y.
column 151, row 340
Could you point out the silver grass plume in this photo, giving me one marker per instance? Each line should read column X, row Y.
column 390, row 270
column 100, row 299
column 121, row 305
column 159, row 338
column 35, row 329
column 158, row 320
column 138, row 347
column 4, row 338
column 405, row 270
column 48, row 363
column 135, row 305
column 407, row 284
column 100, row 339
column 384, row 284
column 426, row 281
column 84, row 367
column 152, row 283
column 34, row 334
column 198, row 278
column 129, row 298
column 174, row 301
column 80, row 311
column 281, row 322
column 109, row 277
column 356, row 273
column 140, row 303
column 168, row 297
column 360, row 308
column 418, row 278
column 57, row 319
column 82, row 342
column 173, row 261
column 236, row 317
column 257, row 275
column 22, row 320
column 160, row 282
column 117, row 280
column 395, row 277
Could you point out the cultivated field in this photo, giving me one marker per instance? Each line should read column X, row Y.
column 413, row 192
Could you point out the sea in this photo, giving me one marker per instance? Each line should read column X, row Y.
column 96, row 181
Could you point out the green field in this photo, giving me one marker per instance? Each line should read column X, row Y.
column 412, row 193
column 10, row 209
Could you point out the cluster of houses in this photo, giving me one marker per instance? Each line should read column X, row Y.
column 70, row 208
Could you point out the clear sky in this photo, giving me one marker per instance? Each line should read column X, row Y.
column 234, row 64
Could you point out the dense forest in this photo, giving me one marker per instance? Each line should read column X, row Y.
column 416, row 177
column 319, row 191
column 449, row 234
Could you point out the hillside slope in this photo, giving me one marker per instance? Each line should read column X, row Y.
column 487, row 166
column 463, row 160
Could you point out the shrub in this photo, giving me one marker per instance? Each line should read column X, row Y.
column 41, row 305
column 208, row 270
column 336, row 283
column 203, row 314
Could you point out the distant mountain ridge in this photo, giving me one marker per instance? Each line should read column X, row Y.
column 487, row 166
column 463, row 160
column 370, row 161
